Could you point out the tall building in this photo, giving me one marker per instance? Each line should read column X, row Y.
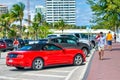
column 40, row 9
column 61, row 10
column 3, row 9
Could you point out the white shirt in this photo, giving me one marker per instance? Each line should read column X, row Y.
column 101, row 41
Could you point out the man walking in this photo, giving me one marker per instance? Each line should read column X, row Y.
column 101, row 45
column 109, row 40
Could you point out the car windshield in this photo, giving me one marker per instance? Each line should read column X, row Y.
column 52, row 36
column 28, row 47
column 70, row 36
column 84, row 36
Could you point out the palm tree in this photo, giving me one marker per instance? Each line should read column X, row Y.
column 6, row 20
column 60, row 25
column 36, row 23
column 18, row 12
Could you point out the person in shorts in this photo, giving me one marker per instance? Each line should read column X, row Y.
column 101, row 45
column 109, row 40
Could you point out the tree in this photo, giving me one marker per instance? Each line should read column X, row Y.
column 5, row 22
column 106, row 12
column 37, row 27
column 18, row 12
column 61, row 25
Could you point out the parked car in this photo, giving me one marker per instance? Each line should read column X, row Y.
column 45, row 40
column 26, row 41
column 33, row 41
column 53, row 35
column 3, row 45
column 68, row 42
column 72, row 36
column 21, row 43
column 38, row 56
column 86, row 38
column 9, row 44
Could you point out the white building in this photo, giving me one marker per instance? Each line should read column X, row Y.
column 40, row 9
column 3, row 9
column 61, row 10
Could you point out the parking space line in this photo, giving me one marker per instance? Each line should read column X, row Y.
column 61, row 71
column 12, row 78
column 44, row 75
column 70, row 74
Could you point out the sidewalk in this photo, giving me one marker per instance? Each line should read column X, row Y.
column 108, row 68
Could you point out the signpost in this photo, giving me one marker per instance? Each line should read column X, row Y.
column 88, row 28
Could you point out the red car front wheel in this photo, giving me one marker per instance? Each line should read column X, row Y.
column 78, row 60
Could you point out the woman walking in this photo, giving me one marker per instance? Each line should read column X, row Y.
column 101, row 45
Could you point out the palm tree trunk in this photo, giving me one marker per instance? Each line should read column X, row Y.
column 21, row 29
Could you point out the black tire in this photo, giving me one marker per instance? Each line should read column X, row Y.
column 37, row 64
column 19, row 68
column 11, row 49
column 85, row 50
column 78, row 60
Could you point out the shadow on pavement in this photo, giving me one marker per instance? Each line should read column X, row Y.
column 116, row 49
column 106, row 58
column 45, row 68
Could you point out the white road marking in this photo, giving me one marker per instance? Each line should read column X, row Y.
column 12, row 78
column 43, row 75
column 70, row 74
column 61, row 71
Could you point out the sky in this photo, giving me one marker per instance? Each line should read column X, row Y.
column 83, row 11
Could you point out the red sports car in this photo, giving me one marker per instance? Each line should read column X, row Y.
column 37, row 56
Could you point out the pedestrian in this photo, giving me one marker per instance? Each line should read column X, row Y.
column 101, row 45
column 109, row 40
column 96, row 39
column 114, row 37
column 16, row 43
column 97, row 36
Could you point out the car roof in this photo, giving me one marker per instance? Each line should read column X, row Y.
column 40, row 44
column 61, row 37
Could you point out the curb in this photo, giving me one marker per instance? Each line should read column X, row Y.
column 87, row 67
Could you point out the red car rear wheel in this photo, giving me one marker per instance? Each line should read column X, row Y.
column 37, row 64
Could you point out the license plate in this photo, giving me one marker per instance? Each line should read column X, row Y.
column 10, row 60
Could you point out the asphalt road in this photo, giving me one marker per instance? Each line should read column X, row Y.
column 68, row 72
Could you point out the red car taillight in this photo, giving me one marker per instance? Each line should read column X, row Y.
column 2, row 44
column 20, row 56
